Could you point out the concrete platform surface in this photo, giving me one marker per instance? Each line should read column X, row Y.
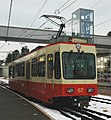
column 12, row 107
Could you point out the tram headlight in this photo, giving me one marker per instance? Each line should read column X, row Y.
column 69, row 90
column 90, row 90
column 78, row 46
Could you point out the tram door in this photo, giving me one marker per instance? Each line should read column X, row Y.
column 50, row 79
column 27, row 77
column 28, row 70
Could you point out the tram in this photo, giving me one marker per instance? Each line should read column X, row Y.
column 63, row 73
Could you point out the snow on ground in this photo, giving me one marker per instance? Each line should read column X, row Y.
column 97, row 106
column 54, row 113
column 101, row 107
column 4, row 81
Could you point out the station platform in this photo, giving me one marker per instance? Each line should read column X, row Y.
column 13, row 107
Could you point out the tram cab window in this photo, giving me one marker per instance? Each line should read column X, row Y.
column 78, row 65
column 34, row 67
column 50, row 66
column 41, row 66
column 57, row 66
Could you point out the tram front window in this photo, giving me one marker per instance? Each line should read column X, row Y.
column 78, row 65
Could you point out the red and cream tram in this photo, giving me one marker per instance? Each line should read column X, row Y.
column 64, row 72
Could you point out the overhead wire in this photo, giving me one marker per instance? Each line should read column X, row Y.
column 30, row 34
column 64, row 4
column 54, row 13
column 34, row 18
column 68, row 6
column 103, row 22
column 59, row 12
column 37, row 14
column 96, row 3
column 2, row 45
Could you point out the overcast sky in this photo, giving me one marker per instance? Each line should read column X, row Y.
column 23, row 11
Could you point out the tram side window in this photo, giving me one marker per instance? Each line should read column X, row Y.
column 13, row 72
column 20, row 68
column 41, row 66
column 57, row 66
column 10, row 72
column 50, row 66
column 34, row 67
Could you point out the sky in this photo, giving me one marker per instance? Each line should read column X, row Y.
column 26, row 13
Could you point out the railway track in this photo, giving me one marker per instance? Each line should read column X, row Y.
column 83, row 113
column 102, row 100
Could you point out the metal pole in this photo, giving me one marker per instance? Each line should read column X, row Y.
column 9, row 19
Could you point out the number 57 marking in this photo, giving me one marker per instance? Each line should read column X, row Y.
column 80, row 90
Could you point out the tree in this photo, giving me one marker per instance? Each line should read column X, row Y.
column 8, row 58
column 12, row 56
column 24, row 51
column 15, row 54
column 109, row 33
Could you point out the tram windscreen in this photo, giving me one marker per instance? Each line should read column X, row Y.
column 78, row 65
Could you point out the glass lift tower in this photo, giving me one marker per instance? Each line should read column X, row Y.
column 83, row 23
